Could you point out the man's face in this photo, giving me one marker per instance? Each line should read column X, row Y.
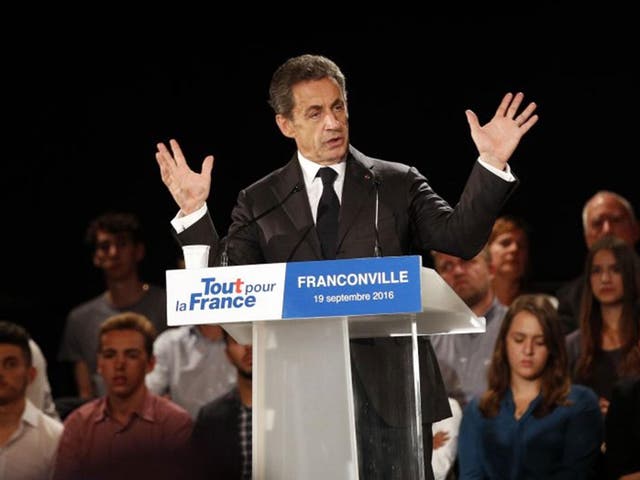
column 319, row 123
column 15, row 374
column 117, row 254
column 470, row 279
column 123, row 362
column 605, row 215
column 241, row 356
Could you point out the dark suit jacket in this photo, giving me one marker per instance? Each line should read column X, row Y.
column 412, row 220
column 216, row 439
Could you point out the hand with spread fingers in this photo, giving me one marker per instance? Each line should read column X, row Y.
column 498, row 139
column 188, row 188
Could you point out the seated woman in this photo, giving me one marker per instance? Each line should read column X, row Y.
column 606, row 347
column 531, row 422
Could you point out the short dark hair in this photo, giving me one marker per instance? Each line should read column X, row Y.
column 114, row 222
column 130, row 321
column 300, row 69
column 14, row 334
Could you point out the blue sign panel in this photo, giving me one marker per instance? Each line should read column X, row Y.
column 359, row 286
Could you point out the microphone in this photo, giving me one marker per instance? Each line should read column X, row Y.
column 377, row 249
column 299, row 242
column 224, row 258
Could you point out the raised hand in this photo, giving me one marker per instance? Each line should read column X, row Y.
column 498, row 139
column 188, row 188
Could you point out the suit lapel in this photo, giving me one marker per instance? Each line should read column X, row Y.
column 297, row 206
column 358, row 191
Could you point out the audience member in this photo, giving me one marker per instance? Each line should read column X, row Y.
column 117, row 245
column 222, row 431
column 445, row 443
column 191, row 366
column 28, row 437
column 39, row 390
column 509, row 248
column 130, row 432
column 622, row 431
column 464, row 358
column 606, row 347
column 531, row 422
column 605, row 213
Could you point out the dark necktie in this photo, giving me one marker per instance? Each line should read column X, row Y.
column 328, row 210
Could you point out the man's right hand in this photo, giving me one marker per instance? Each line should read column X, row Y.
column 188, row 188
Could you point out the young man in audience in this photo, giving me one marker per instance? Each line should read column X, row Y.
column 222, row 439
column 130, row 432
column 192, row 367
column 117, row 245
column 28, row 437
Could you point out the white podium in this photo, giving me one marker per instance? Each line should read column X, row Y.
column 301, row 318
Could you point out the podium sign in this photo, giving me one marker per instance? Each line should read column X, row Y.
column 361, row 286
column 301, row 318
column 277, row 291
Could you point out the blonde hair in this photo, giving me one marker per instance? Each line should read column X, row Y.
column 131, row 321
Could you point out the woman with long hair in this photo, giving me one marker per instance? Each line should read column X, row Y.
column 606, row 347
column 531, row 422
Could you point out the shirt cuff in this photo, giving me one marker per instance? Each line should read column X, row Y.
column 503, row 174
column 181, row 222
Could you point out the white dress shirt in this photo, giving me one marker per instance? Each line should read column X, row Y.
column 314, row 189
column 443, row 458
column 29, row 454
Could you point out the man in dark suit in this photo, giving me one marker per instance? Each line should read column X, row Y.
column 385, row 207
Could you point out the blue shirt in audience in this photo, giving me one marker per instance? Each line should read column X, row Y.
column 563, row 444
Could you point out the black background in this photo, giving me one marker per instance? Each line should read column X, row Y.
column 86, row 105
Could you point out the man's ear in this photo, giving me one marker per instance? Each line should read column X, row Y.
column 31, row 374
column 140, row 251
column 96, row 261
column 151, row 364
column 286, row 126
